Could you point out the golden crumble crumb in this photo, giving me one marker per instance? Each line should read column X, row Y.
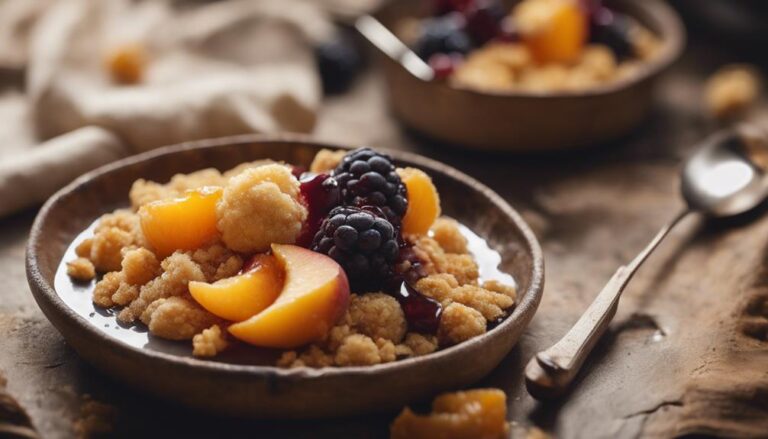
column 178, row 270
column 460, row 323
column 209, row 342
column 491, row 305
column 125, row 294
column 217, row 261
column 259, row 207
column 106, row 287
column 498, row 287
column 731, row 90
column 447, row 233
column 243, row 166
column 106, row 251
column 176, row 318
column 358, row 350
column 336, row 336
column 377, row 315
column 438, row 286
column 429, row 250
column 598, row 62
column 181, row 183
column 387, row 351
column 314, row 357
column 462, row 267
column 140, row 266
column 288, row 359
column 326, row 160
column 420, row 344
column 81, row 269
column 144, row 192
column 84, row 248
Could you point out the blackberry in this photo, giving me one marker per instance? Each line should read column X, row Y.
column 363, row 242
column 368, row 178
column 444, row 34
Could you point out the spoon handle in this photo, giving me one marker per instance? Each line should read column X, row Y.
column 550, row 372
column 388, row 43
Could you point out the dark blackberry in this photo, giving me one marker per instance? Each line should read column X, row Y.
column 368, row 178
column 444, row 34
column 363, row 242
column 339, row 62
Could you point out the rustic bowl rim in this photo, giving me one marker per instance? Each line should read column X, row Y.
column 672, row 35
column 44, row 290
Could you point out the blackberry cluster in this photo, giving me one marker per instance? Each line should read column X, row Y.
column 363, row 242
column 368, row 178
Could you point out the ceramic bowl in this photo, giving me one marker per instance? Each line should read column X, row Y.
column 250, row 386
column 530, row 121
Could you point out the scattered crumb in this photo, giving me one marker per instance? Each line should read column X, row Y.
column 267, row 195
column 96, row 418
column 81, row 269
column 326, row 160
column 209, row 342
column 126, row 63
column 84, row 248
column 731, row 90
column 106, row 287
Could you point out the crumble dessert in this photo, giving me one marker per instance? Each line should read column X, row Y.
column 540, row 45
column 477, row 413
column 349, row 264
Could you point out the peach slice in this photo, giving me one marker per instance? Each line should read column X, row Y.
column 315, row 295
column 423, row 201
column 241, row 297
column 184, row 223
column 553, row 30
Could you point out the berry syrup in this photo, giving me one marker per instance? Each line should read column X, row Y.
column 321, row 193
column 421, row 312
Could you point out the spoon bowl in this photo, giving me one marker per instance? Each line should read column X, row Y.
column 727, row 176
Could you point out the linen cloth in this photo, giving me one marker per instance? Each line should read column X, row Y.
column 214, row 69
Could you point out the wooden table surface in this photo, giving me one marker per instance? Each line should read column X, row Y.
column 687, row 352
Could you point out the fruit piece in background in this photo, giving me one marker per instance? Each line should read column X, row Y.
column 314, row 296
column 484, row 19
column 612, row 29
column 555, row 31
column 444, row 34
column 445, row 64
column 126, row 63
column 184, row 223
column 423, row 201
column 241, row 297
column 339, row 61
column 442, row 7
column 477, row 413
column 363, row 242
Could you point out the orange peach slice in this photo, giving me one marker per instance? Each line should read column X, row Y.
column 423, row 201
column 184, row 223
column 553, row 30
column 241, row 297
column 314, row 296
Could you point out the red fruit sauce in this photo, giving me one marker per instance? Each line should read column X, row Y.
column 320, row 193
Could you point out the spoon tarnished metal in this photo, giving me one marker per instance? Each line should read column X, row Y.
column 727, row 176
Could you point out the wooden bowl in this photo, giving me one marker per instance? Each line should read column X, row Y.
column 531, row 121
column 166, row 369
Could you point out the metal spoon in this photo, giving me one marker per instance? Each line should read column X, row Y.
column 383, row 39
column 727, row 176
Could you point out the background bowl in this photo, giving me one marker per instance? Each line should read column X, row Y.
column 528, row 121
column 164, row 369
